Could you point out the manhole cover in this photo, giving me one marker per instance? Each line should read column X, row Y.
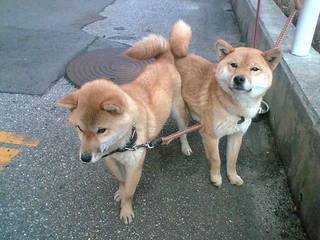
column 104, row 63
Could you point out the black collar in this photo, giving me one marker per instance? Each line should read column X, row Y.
column 128, row 146
column 242, row 119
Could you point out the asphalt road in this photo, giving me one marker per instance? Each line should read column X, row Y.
column 47, row 193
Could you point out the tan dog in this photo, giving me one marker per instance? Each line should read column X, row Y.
column 106, row 116
column 223, row 96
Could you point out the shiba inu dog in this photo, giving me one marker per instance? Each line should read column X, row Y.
column 223, row 96
column 109, row 117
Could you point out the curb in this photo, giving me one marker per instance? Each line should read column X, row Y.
column 295, row 108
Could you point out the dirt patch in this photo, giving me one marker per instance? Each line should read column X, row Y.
column 286, row 6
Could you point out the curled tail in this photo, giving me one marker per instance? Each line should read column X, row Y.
column 149, row 47
column 180, row 38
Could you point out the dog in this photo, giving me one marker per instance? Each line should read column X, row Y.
column 222, row 96
column 111, row 118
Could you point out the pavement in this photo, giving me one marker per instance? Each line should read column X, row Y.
column 39, row 38
column 46, row 193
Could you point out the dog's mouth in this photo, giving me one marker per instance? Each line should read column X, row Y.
column 240, row 89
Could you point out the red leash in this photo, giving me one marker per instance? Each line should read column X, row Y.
column 257, row 25
column 167, row 139
column 284, row 30
column 130, row 146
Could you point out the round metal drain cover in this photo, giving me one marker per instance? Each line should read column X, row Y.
column 104, row 63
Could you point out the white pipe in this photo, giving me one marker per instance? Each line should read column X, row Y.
column 306, row 26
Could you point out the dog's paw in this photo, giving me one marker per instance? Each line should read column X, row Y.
column 186, row 149
column 216, row 180
column 126, row 215
column 235, row 179
column 117, row 196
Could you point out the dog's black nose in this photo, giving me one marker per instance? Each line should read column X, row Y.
column 86, row 157
column 239, row 80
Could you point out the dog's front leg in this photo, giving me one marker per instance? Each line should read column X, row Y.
column 211, row 145
column 133, row 174
column 116, row 170
column 233, row 148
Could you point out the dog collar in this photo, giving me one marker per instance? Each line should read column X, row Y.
column 242, row 119
column 132, row 139
column 129, row 146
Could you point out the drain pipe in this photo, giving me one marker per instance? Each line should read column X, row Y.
column 306, row 26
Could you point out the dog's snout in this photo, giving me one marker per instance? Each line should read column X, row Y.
column 239, row 80
column 86, row 157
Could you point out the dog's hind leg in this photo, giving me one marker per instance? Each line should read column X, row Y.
column 233, row 148
column 180, row 114
column 116, row 170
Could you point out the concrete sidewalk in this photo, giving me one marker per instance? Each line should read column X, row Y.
column 46, row 193
column 295, row 109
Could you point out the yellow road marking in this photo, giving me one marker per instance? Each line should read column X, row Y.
column 20, row 139
column 6, row 154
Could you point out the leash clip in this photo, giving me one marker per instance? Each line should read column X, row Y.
column 149, row 145
column 133, row 148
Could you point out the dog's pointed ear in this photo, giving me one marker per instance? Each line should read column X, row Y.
column 273, row 57
column 70, row 101
column 223, row 49
column 112, row 108
column 113, row 105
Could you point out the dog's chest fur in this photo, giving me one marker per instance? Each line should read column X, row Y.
column 230, row 125
column 224, row 124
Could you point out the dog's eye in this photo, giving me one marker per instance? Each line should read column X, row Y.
column 254, row 69
column 101, row 130
column 234, row 65
column 79, row 128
